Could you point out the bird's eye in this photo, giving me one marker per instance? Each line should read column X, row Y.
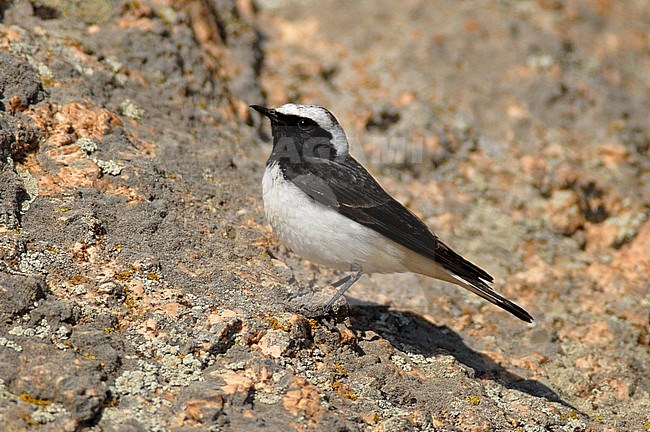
column 304, row 124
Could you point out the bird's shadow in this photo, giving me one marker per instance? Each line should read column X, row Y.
column 411, row 333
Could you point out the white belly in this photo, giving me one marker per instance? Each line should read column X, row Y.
column 322, row 235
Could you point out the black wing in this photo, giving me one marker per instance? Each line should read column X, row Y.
column 354, row 193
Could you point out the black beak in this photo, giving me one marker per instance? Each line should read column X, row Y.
column 268, row 112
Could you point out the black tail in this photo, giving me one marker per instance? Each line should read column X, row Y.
column 479, row 287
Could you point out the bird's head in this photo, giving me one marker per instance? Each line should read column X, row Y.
column 305, row 131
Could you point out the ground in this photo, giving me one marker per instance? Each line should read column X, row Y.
column 142, row 289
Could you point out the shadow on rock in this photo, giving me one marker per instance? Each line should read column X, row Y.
column 411, row 333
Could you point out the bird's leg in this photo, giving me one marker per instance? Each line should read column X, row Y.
column 345, row 283
column 338, row 283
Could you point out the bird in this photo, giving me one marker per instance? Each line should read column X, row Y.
column 326, row 207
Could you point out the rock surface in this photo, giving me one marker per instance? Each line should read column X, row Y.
column 141, row 288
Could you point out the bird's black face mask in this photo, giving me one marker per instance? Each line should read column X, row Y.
column 298, row 138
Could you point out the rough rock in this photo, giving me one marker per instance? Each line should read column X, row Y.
column 143, row 290
column 19, row 83
column 18, row 294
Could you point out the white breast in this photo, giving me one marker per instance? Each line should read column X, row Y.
column 322, row 235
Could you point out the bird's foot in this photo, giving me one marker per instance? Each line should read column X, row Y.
column 312, row 302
